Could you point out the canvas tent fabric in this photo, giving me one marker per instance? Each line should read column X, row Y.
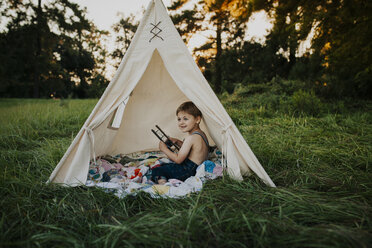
column 156, row 75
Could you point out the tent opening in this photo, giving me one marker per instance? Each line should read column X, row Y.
column 153, row 101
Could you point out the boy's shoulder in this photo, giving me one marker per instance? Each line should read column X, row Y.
column 195, row 137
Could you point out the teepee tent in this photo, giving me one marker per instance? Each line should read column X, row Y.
column 156, row 75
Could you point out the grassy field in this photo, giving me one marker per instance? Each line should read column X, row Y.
column 320, row 161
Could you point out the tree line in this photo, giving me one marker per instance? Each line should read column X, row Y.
column 50, row 48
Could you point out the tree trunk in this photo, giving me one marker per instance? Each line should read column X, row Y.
column 218, row 71
column 292, row 53
column 80, row 70
column 36, row 91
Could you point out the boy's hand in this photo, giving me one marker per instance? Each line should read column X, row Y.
column 182, row 153
column 162, row 146
column 174, row 140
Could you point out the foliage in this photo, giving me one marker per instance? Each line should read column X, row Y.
column 341, row 39
column 187, row 21
column 286, row 87
column 306, row 102
column 228, row 28
column 321, row 166
column 291, row 97
column 338, row 31
column 51, row 49
column 251, row 63
column 124, row 30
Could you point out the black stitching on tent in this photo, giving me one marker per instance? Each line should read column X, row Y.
column 157, row 32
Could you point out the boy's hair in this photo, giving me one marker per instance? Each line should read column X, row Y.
column 190, row 108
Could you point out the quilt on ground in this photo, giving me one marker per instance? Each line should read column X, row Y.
column 129, row 174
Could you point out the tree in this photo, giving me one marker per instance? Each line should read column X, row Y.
column 342, row 40
column 47, row 50
column 187, row 21
column 339, row 31
column 250, row 64
column 76, row 60
column 94, row 41
column 228, row 20
column 125, row 29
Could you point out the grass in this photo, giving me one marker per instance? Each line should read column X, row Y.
column 322, row 166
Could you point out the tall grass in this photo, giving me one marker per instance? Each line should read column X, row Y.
column 320, row 163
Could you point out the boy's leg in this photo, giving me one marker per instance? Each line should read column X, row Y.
column 160, row 173
column 167, row 171
column 188, row 170
column 173, row 170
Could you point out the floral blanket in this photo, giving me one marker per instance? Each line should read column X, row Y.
column 130, row 173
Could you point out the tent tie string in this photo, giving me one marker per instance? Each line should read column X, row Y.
column 91, row 139
column 226, row 127
column 224, row 145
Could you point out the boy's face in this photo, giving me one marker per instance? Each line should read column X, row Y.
column 187, row 122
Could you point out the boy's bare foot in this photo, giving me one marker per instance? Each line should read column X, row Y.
column 162, row 181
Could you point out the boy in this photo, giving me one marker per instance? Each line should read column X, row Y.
column 193, row 151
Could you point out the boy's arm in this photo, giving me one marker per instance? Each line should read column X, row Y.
column 182, row 154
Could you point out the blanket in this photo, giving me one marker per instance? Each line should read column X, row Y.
column 130, row 174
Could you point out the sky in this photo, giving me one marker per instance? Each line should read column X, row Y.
column 104, row 13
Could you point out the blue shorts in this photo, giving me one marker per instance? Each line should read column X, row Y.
column 172, row 170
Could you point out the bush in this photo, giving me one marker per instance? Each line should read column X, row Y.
column 306, row 103
column 288, row 87
column 251, row 89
